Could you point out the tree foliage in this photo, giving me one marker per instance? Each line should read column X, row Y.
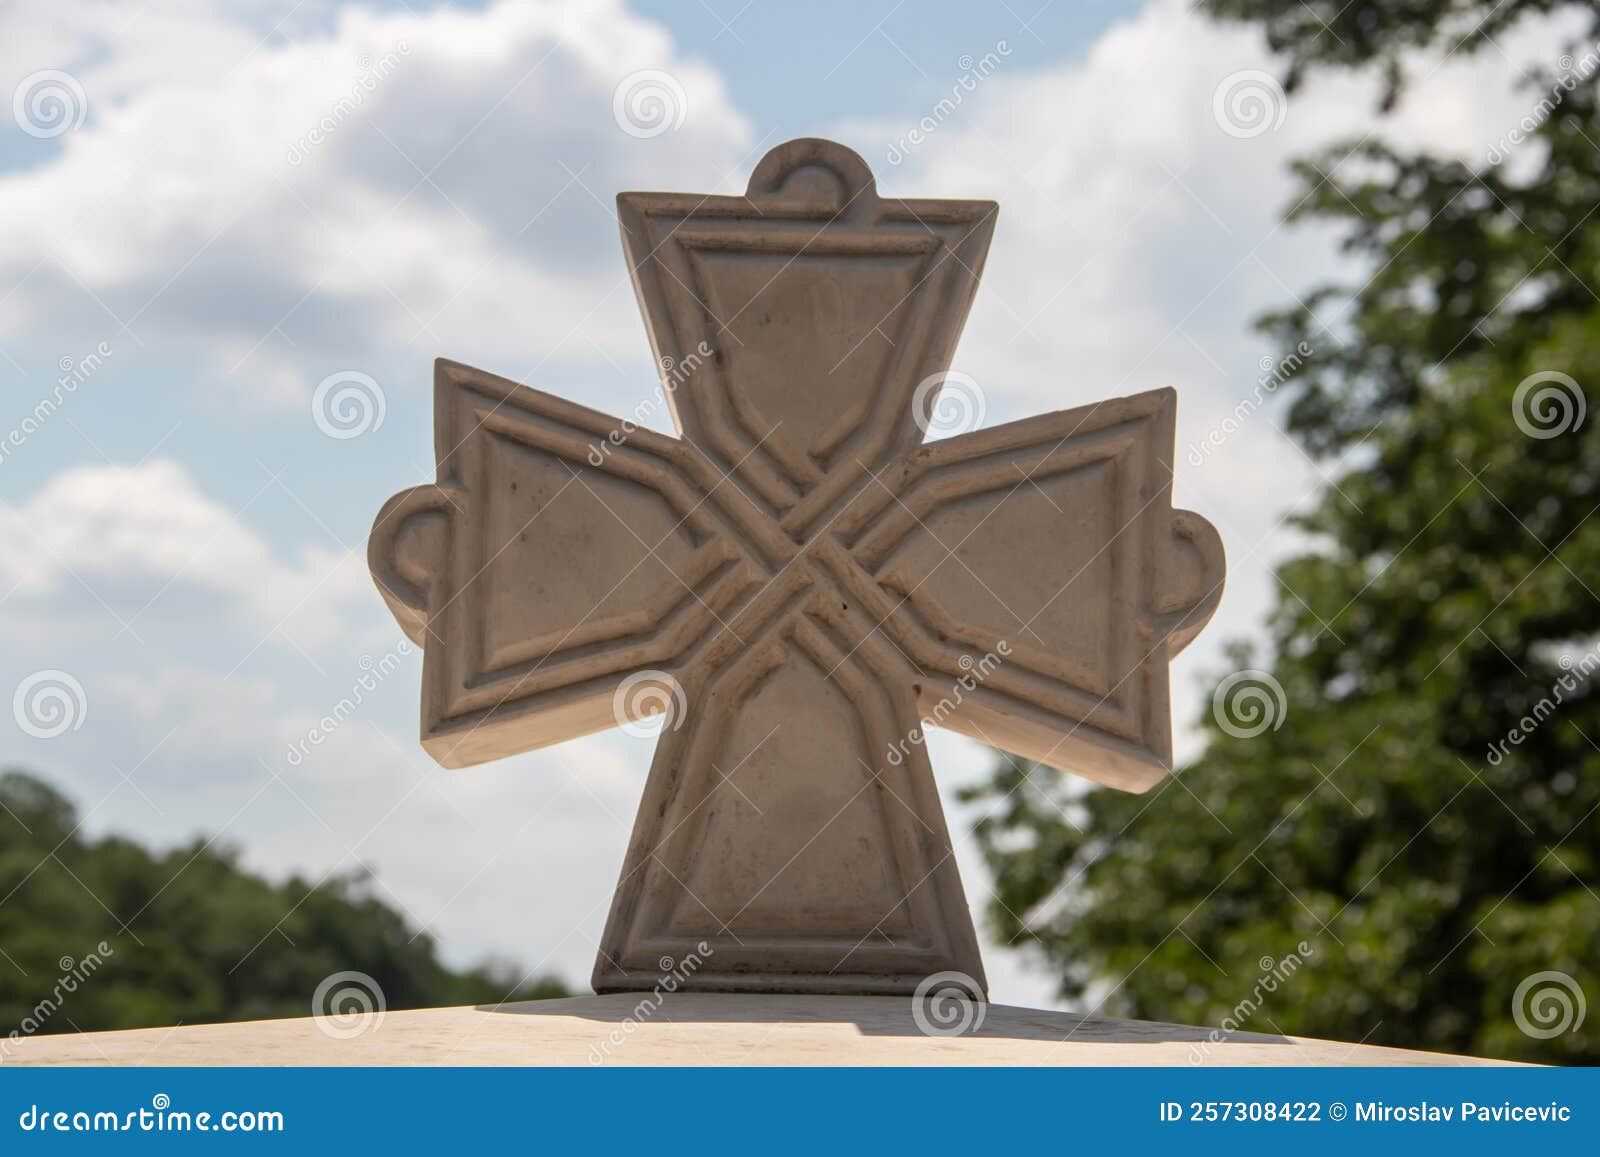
column 187, row 935
column 1329, row 33
column 1424, row 809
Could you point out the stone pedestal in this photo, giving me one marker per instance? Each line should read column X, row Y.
column 702, row 1029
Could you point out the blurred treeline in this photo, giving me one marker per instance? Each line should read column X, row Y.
column 1407, row 781
column 189, row 936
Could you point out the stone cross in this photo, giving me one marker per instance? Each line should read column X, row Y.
column 795, row 586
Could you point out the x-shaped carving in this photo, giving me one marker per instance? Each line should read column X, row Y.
column 798, row 580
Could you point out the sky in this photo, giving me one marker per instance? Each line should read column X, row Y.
column 198, row 228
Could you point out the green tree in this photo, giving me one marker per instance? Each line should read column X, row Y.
column 103, row 934
column 1422, row 812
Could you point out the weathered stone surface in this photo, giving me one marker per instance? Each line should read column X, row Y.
column 798, row 581
column 703, row 1029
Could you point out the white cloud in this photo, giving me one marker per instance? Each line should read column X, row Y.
column 451, row 183
column 133, row 535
